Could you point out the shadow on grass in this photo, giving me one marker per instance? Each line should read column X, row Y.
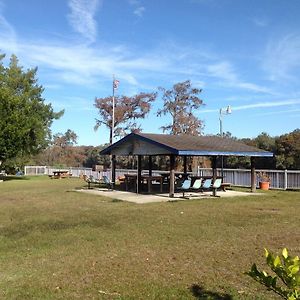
column 11, row 177
column 200, row 293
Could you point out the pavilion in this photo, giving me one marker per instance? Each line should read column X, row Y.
column 147, row 144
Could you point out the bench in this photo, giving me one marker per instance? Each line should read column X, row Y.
column 225, row 185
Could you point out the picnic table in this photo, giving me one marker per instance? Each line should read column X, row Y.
column 131, row 179
column 60, row 174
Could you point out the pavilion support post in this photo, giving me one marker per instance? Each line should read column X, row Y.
column 214, row 172
column 185, row 165
column 253, row 175
column 139, row 174
column 113, row 170
column 150, row 165
column 172, row 176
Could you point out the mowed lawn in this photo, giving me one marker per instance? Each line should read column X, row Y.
column 56, row 243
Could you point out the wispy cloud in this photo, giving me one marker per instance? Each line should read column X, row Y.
column 260, row 22
column 7, row 31
column 87, row 64
column 82, row 16
column 226, row 72
column 139, row 9
column 282, row 58
column 289, row 111
column 258, row 105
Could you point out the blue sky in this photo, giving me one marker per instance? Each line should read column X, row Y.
column 241, row 53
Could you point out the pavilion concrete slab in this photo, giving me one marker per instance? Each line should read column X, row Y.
column 146, row 198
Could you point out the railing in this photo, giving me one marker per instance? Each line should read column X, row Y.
column 280, row 179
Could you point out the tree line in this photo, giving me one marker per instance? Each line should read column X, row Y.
column 64, row 152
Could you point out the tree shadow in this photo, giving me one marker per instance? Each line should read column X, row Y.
column 200, row 293
column 13, row 177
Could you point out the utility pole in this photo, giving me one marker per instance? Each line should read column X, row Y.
column 223, row 112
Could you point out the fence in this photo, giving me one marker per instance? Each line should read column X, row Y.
column 280, row 179
column 45, row 170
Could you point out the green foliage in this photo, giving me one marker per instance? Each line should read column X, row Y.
column 286, row 269
column 181, row 102
column 127, row 111
column 25, row 119
column 288, row 150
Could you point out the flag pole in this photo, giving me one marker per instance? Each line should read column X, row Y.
column 113, row 111
column 113, row 157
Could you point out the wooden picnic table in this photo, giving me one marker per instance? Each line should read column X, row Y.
column 132, row 179
column 60, row 174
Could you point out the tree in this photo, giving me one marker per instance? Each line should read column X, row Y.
column 127, row 110
column 288, row 150
column 265, row 141
column 69, row 138
column 25, row 119
column 181, row 102
column 62, row 151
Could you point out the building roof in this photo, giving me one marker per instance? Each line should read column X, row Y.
column 163, row 144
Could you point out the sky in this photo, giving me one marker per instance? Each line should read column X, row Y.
column 245, row 54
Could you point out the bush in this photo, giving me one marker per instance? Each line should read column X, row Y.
column 286, row 269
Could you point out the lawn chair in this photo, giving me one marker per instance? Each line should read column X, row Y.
column 91, row 180
column 107, row 182
column 216, row 185
column 206, row 185
column 196, row 185
column 185, row 186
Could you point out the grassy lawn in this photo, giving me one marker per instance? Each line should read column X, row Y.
column 56, row 243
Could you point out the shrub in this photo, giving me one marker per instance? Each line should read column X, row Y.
column 286, row 269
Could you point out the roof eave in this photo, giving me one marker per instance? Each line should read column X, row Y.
column 107, row 151
column 224, row 153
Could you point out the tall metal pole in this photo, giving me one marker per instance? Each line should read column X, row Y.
column 221, row 127
column 221, row 112
column 221, row 135
column 113, row 111
column 113, row 157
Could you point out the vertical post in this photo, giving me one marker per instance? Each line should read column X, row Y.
column 139, row 174
column 113, row 170
column 150, row 165
column 172, row 176
column 253, row 175
column 214, row 170
column 285, row 180
column 185, row 165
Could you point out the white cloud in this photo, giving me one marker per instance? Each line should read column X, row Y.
column 7, row 32
column 82, row 16
column 289, row 111
column 139, row 9
column 225, row 71
column 282, row 58
column 260, row 22
column 267, row 104
column 259, row 105
column 86, row 64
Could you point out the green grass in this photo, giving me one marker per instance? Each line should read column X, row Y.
column 56, row 243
